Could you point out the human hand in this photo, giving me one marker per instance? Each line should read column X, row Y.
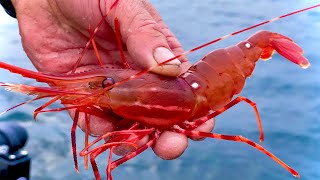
column 54, row 33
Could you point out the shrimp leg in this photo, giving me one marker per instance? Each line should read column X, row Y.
column 131, row 155
column 198, row 122
column 236, row 138
column 38, row 110
column 73, row 139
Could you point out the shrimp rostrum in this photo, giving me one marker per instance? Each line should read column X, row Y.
column 148, row 104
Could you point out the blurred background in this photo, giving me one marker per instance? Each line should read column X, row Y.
column 287, row 97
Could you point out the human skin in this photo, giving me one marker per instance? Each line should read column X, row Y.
column 53, row 34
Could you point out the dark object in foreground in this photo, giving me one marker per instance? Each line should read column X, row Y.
column 14, row 162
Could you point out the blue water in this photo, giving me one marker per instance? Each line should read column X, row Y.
column 288, row 99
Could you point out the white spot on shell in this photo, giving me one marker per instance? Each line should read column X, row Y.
column 153, row 89
column 195, row 85
column 248, row 45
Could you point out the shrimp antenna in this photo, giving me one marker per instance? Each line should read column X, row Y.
column 192, row 50
column 25, row 102
column 242, row 30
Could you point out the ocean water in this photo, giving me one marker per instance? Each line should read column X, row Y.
column 287, row 97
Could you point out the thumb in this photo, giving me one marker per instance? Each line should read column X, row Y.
column 148, row 48
column 146, row 37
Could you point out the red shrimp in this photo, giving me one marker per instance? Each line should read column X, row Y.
column 148, row 104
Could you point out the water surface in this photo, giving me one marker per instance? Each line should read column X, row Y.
column 288, row 99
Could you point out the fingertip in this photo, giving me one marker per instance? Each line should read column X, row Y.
column 125, row 149
column 98, row 125
column 205, row 127
column 170, row 68
column 185, row 66
column 170, row 145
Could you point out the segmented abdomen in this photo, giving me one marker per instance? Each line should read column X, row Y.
column 222, row 73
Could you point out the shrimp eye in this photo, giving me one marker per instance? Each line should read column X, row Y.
column 107, row 82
